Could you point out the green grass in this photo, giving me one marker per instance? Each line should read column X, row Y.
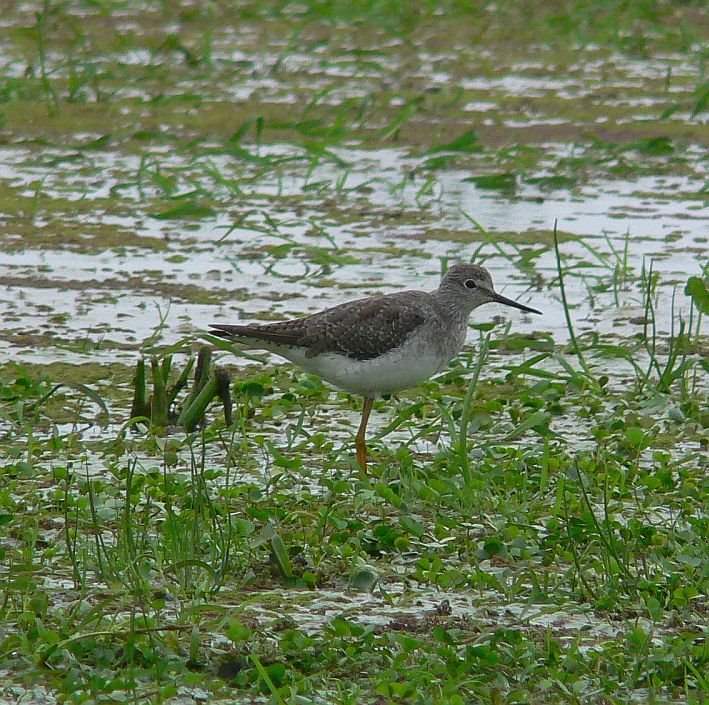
column 194, row 544
column 533, row 528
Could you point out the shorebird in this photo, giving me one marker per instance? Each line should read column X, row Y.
column 380, row 344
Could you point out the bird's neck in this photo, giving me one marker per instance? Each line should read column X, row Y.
column 453, row 306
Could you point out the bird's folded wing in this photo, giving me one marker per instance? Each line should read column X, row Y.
column 281, row 333
column 361, row 330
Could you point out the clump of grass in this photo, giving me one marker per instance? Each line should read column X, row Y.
column 160, row 409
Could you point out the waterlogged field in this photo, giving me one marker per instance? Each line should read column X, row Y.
column 533, row 527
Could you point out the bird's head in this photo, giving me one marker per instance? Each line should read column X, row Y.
column 472, row 284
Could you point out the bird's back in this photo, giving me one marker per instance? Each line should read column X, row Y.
column 361, row 329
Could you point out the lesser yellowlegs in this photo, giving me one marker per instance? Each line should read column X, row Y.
column 380, row 344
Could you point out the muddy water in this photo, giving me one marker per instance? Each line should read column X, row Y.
column 344, row 189
column 348, row 179
column 117, row 295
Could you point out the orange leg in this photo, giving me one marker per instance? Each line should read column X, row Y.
column 360, row 442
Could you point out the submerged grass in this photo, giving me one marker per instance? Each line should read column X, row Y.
column 534, row 526
column 197, row 539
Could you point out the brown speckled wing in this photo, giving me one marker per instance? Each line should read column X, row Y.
column 361, row 330
column 282, row 333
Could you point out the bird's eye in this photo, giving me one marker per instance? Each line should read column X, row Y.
column 470, row 284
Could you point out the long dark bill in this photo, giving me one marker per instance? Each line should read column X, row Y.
column 515, row 304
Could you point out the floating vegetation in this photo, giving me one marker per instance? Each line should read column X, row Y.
column 534, row 528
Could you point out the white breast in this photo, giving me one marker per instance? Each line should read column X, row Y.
column 399, row 369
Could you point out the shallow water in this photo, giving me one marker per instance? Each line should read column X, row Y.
column 255, row 171
column 118, row 294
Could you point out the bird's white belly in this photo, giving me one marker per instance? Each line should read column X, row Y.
column 396, row 370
